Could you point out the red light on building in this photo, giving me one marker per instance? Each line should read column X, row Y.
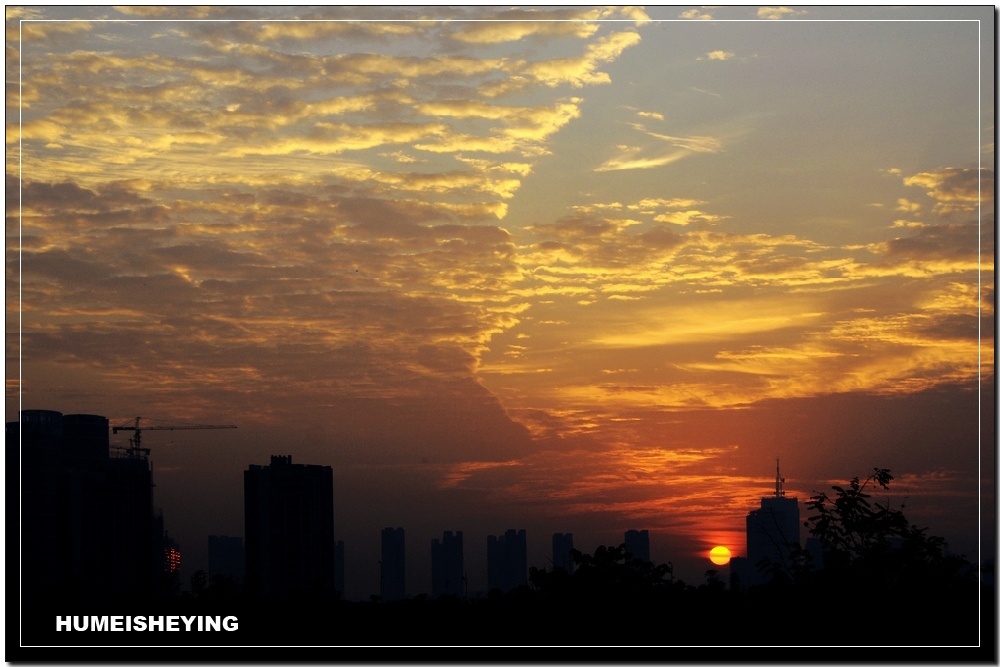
column 172, row 559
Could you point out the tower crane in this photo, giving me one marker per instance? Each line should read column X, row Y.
column 135, row 443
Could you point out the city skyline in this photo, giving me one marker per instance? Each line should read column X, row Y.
column 571, row 270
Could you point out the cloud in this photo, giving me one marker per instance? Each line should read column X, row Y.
column 252, row 96
column 576, row 72
column 301, row 30
column 947, row 242
column 333, row 138
column 717, row 55
column 696, row 144
column 496, row 32
column 295, row 260
column 517, row 24
column 434, row 182
column 955, row 190
column 630, row 157
column 413, row 67
column 687, row 217
column 521, row 124
column 778, row 12
column 635, row 157
column 191, row 12
column 651, row 204
column 695, row 14
column 42, row 31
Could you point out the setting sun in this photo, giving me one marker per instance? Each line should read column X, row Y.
column 719, row 555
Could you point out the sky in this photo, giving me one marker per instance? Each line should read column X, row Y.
column 567, row 269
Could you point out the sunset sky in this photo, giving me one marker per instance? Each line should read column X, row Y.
column 568, row 270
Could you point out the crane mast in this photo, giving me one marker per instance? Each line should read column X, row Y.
column 136, row 450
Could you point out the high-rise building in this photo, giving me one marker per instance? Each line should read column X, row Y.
column 226, row 558
column 637, row 544
column 447, row 565
column 561, row 545
column 87, row 520
column 288, row 509
column 507, row 560
column 338, row 568
column 393, row 567
column 772, row 532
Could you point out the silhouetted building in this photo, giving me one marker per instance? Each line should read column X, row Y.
column 86, row 437
column 561, row 544
column 637, row 544
column 87, row 524
column 447, row 565
column 226, row 557
column 164, row 585
column 338, row 568
column 288, row 509
column 393, row 568
column 507, row 560
column 772, row 531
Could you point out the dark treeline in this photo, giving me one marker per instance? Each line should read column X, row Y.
column 883, row 582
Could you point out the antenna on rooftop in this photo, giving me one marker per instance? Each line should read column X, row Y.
column 779, row 481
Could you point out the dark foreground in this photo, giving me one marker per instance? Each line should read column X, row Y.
column 705, row 616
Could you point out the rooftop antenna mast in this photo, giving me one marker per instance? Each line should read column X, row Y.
column 779, row 481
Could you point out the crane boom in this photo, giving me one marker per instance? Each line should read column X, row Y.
column 135, row 443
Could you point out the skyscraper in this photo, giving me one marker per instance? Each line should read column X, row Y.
column 338, row 568
column 637, row 544
column 393, row 566
column 226, row 557
column 772, row 530
column 447, row 565
column 561, row 544
column 288, row 510
column 86, row 518
column 507, row 560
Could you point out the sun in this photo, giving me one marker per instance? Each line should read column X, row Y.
column 719, row 555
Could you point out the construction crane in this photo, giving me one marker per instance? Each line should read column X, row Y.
column 135, row 443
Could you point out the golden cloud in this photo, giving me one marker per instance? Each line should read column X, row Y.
column 578, row 72
column 29, row 30
column 695, row 14
column 956, row 190
column 629, row 158
column 320, row 29
column 778, row 12
column 687, row 217
column 333, row 138
column 500, row 31
column 516, row 24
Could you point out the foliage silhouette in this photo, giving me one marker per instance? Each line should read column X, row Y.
column 611, row 572
column 872, row 543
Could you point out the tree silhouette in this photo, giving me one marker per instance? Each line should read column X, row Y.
column 872, row 551
column 611, row 572
column 874, row 540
